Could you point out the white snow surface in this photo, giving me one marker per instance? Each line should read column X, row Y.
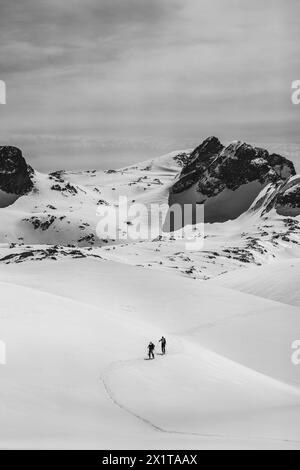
column 76, row 323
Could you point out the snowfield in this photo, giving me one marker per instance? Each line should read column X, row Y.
column 77, row 313
column 276, row 281
column 76, row 374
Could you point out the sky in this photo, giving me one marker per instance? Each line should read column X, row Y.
column 105, row 83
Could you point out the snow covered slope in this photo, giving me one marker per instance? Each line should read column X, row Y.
column 276, row 281
column 76, row 374
column 62, row 207
column 78, row 310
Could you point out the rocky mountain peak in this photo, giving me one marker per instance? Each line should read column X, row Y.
column 15, row 174
column 203, row 155
column 228, row 179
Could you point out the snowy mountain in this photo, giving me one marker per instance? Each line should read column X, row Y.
column 227, row 180
column 59, row 217
column 61, row 208
column 78, row 309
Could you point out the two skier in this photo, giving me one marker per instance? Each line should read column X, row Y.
column 151, row 347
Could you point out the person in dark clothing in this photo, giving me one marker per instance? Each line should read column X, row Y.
column 151, row 348
column 163, row 342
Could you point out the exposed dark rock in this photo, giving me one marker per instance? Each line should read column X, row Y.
column 65, row 188
column 15, row 174
column 214, row 168
column 90, row 239
column 41, row 224
column 227, row 180
column 182, row 159
column 57, row 175
column 52, row 252
column 287, row 201
column 198, row 161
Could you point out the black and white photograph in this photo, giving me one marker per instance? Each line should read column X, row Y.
column 149, row 227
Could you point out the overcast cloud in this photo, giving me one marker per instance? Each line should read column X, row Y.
column 97, row 83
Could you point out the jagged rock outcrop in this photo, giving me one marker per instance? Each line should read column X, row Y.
column 15, row 174
column 284, row 198
column 227, row 180
column 213, row 167
column 288, row 199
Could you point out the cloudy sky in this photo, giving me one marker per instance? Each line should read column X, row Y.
column 101, row 83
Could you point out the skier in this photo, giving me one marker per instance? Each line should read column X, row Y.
column 163, row 342
column 151, row 348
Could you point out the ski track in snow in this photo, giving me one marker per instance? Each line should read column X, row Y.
column 122, row 364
